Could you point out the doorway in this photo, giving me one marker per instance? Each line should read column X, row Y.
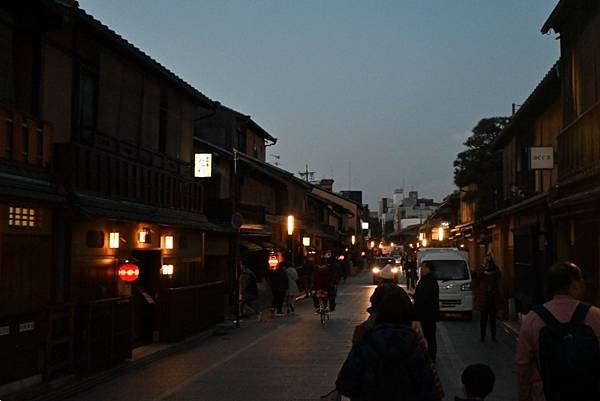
column 144, row 296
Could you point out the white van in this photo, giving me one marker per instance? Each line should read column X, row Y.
column 451, row 269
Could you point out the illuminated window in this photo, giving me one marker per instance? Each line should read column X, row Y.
column 22, row 217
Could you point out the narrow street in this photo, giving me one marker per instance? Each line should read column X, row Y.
column 296, row 358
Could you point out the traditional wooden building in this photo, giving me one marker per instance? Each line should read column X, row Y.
column 521, row 232
column 576, row 203
column 32, row 207
column 98, row 157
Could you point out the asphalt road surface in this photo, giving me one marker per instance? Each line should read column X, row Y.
column 296, row 358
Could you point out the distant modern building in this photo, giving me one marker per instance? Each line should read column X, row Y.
column 356, row 196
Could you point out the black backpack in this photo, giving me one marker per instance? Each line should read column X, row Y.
column 569, row 357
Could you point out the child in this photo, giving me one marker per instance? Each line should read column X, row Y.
column 478, row 381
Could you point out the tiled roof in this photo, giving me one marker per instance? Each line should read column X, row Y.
column 142, row 57
column 539, row 95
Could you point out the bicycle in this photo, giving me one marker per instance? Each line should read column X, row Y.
column 323, row 310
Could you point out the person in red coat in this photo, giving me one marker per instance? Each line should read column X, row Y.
column 486, row 300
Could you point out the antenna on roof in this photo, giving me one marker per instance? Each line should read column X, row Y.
column 307, row 175
column 277, row 159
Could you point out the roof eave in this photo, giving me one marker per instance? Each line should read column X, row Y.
column 555, row 15
column 142, row 57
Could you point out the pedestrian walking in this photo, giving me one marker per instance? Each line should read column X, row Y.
column 248, row 291
column 345, row 266
column 427, row 306
column 386, row 286
column 410, row 271
column 486, row 300
column 265, row 298
column 293, row 290
column 478, row 382
column 389, row 363
column 278, row 280
column 558, row 353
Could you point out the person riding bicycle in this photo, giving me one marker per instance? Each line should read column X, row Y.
column 324, row 282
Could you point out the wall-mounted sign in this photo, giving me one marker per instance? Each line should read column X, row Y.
column 541, row 158
column 203, row 165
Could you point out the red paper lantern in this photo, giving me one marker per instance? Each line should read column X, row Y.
column 129, row 272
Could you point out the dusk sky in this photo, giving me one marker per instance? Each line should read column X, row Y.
column 385, row 90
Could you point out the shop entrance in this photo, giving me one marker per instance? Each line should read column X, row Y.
column 144, row 296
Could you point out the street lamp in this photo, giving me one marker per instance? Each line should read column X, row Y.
column 353, row 239
column 306, row 241
column 290, row 231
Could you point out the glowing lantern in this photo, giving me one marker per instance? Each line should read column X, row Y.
column 273, row 262
column 113, row 240
column 168, row 242
column 128, row 272
column 290, row 224
column 167, row 270
column 144, row 236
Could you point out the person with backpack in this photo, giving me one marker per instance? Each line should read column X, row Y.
column 389, row 362
column 558, row 353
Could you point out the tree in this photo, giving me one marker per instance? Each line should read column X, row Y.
column 480, row 166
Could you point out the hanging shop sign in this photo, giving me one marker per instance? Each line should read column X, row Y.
column 541, row 158
column 203, row 165
column 128, row 272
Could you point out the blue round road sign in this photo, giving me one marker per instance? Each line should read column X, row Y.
column 237, row 220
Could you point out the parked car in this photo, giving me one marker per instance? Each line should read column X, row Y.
column 451, row 269
column 379, row 264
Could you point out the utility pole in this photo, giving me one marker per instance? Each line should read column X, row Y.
column 236, row 261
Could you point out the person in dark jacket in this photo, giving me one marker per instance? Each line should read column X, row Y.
column 389, row 363
column 324, row 281
column 486, row 300
column 427, row 306
column 278, row 281
column 410, row 270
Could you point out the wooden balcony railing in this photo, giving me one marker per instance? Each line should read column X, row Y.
column 115, row 169
column 579, row 147
column 25, row 139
